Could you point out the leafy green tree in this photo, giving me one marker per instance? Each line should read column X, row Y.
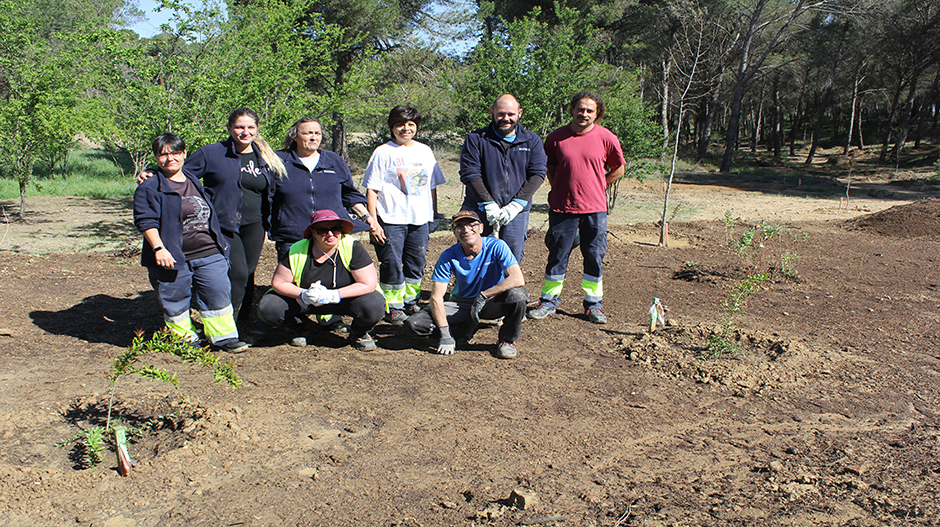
column 543, row 65
column 188, row 78
column 38, row 92
column 365, row 29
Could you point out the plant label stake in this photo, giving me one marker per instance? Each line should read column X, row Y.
column 124, row 458
column 657, row 314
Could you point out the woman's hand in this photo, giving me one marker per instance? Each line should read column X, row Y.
column 164, row 258
column 144, row 176
column 378, row 233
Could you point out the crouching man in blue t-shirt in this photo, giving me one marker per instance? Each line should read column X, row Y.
column 488, row 285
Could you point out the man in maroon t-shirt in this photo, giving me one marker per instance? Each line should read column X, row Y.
column 583, row 158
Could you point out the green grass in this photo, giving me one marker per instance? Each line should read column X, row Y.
column 89, row 173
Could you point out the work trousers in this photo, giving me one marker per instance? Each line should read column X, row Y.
column 208, row 278
column 513, row 234
column 563, row 228
column 402, row 259
column 509, row 304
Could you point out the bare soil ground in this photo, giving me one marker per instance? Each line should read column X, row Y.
column 830, row 416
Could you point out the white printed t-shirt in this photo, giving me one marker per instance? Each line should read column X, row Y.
column 403, row 176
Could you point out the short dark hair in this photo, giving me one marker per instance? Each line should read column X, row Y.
column 402, row 114
column 241, row 112
column 288, row 142
column 576, row 98
column 172, row 141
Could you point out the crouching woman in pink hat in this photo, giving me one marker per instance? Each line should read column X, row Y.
column 327, row 272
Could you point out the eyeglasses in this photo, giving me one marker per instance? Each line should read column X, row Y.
column 335, row 229
column 465, row 226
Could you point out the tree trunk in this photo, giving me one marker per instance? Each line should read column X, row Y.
column 861, row 111
column 776, row 125
column 889, row 125
column 906, row 117
column 705, row 137
column 23, row 182
column 746, row 71
column 848, row 137
column 797, row 123
column 664, row 108
column 758, row 122
column 338, row 137
column 817, row 130
column 734, row 124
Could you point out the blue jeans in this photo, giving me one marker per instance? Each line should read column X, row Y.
column 208, row 278
column 562, row 230
column 513, row 234
column 401, row 263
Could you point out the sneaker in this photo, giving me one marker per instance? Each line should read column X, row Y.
column 338, row 327
column 541, row 311
column 596, row 316
column 396, row 317
column 334, row 323
column 235, row 346
column 411, row 309
column 362, row 342
column 299, row 342
column 505, row 350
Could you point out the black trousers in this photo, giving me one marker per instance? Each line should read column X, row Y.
column 508, row 304
column 246, row 245
column 366, row 310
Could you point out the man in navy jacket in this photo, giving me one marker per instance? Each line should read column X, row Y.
column 502, row 165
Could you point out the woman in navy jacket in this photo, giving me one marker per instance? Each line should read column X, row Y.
column 238, row 175
column 316, row 180
column 184, row 248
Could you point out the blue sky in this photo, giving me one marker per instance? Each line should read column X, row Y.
column 150, row 26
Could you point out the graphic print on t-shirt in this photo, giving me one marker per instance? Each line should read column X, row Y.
column 249, row 163
column 412, row 180
column 198, row 220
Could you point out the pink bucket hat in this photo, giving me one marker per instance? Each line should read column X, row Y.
column 323, row 216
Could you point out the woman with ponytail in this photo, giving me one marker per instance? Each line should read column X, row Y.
column 238, row 175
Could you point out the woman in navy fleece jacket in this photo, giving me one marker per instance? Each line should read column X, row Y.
column 238, row 175
column 316, row 180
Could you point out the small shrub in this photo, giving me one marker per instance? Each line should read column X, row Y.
column 130, row 362
column 724, row 342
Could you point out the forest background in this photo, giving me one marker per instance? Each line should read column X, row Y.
column 678, row 76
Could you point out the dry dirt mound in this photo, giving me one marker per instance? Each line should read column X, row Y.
column 920, row 218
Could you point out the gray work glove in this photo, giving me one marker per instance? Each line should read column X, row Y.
column 492, row 211
column 476, row 307
column 509, row 212
column 447, row 344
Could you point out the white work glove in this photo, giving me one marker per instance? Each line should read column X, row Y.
column 447, row 344
column 309, row 297
column 509, row 212
column 328, row 296
column 492, row 211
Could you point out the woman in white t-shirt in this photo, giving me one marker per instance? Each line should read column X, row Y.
column 400, row 183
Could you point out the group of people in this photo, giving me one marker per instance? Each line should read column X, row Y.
column 206, row 238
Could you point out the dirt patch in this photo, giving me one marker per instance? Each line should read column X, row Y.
column 920, row 218
column 829, row 417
